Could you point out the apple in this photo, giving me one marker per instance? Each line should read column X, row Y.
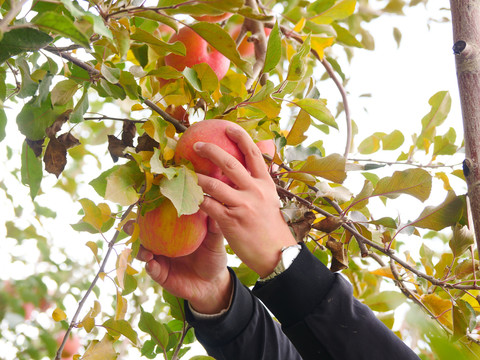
column 213, row 18
column 179, row 113
column 164, row 233
column 71, row 345
column 246, row 48
column 210, row 131
column 268, row 147
column 164, row 31
column 197, row 51
column 28, row 308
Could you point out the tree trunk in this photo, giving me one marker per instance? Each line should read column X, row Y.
column 466, row 38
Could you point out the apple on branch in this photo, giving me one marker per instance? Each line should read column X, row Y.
column 213, row 18
column 246, row 48
column 198, row 51
column 209, row 131
column 163, row 232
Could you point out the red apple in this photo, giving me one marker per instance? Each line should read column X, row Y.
column 268, row 147
column 210, row 131
column 197, row 51
column 246, row 48
column 164, row 233
column 179, row 113
column 28, row 308
column 71, row 345
column 213, row 18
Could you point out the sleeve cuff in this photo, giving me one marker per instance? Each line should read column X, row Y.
column 285, row 295
column 223, row 327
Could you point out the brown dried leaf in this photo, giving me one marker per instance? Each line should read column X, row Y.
column 302, row 227
column 68, row 140
column 329, row 224
column 36, row 146
column 339, row 255
column 129, row 132
column 115, row 147
column 146, row 143
column 61, row 119
column 55, row 157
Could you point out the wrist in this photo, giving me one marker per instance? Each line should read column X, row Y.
column 216, row 297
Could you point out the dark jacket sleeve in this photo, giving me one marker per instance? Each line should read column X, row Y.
column 245, row 331
column 321, row 317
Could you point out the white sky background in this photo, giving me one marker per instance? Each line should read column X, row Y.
column 400, row 81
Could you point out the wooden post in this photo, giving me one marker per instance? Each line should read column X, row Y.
column 466, row 48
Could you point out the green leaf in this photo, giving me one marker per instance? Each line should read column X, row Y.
column 63, row 92
column 461, row 239
column 98, row 23
column 441, row 103
column 31, row 170
column 446, row 214
column 129, row 84
column 345, row 37
column 385, row 301
column 155, row 329
column 340, row 10
column 318, row 109
column 156, row 166
column 274, row 49
column 445, row 145
column 331, row 167
column 61, row 25
column 371, row 144
column 464, row 318
column 218, row 38
column 111, row 74
column 122, row 184
column 3, row 124
column 17, row 41
column 297, row 66
column 183, row 191
column 29, row 86
column 80, row 108
column 123, row 327
column 414, row 182
column 393, row 140
column 100, row 183
column 160, row 46
column 176, row 305
column 153, row 15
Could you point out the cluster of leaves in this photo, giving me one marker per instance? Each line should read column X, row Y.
column 69, row 61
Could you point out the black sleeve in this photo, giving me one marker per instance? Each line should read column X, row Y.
column 245, row 331
column 321, row 317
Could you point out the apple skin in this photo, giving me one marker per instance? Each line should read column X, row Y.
column 268, row 147
column 71, row 345
column 197, row 51
column 209, row 131
column 164, row 233
column 246, row 49
column 213, row 18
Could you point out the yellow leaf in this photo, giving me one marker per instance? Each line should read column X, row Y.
column 446, row 182
column 137, row 107
column 300, row 126
column 122, row 263
column 168, row 153
column 101, row 350
column 131, row 270
column 58, row 314
column 441, row 308
column 471, row 300
column 136, row 231
column 320, row 43
column 384, row 271
column 94, row 249
column 300, row 25
column 121, row 307
column 102, row 275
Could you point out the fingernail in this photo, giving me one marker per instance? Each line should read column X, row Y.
column 198, row 146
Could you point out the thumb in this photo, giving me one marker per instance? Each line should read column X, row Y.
column 154, row 269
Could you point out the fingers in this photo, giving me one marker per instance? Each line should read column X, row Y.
column 144, row 254
column 156, row 271
column 218, row 189
column 253, row 155
column 230, row 166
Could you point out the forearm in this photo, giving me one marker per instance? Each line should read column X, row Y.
column 245, row 331
column 322, row 318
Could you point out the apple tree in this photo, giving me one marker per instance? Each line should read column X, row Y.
column 94, row 97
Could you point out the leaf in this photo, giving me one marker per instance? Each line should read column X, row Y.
column 340, row 10
column 296, row 135
column 183, row 191
column 176, row 305
column 122, row 305
column 157, row 330
column 159, row 46
column 100, row 183
column 58, row 315
column 464, row 318
column 63, row 92
column 274, row 49
column 17, row 41
column 123, row 327
column 55, row 157
column 320, row 43
column 61, row 25
column 383, row 271
column 297, row 65
column 446, row 214
column 331, row 167
column 95, row 215
column 88, row 321
column 385, row 301
column 122, row 262
column 80, row 108
column 156, row 166
column 414, row 182
column 441, row 308
column 122, row 184
column 440, row 103
column 461, row 240
column 218, row 38
column 31, row 170
column 318, row 109
column 100, row 350
column 111, row 74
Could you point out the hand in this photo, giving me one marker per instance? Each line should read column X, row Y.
column 201, row 278
column 248, row 215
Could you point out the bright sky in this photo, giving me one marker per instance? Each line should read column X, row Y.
column 400, row 81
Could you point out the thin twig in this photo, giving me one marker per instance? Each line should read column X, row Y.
column 92, row 285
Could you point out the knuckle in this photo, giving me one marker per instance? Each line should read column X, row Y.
column 231, row 164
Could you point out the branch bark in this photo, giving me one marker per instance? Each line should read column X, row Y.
column 466, row 38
